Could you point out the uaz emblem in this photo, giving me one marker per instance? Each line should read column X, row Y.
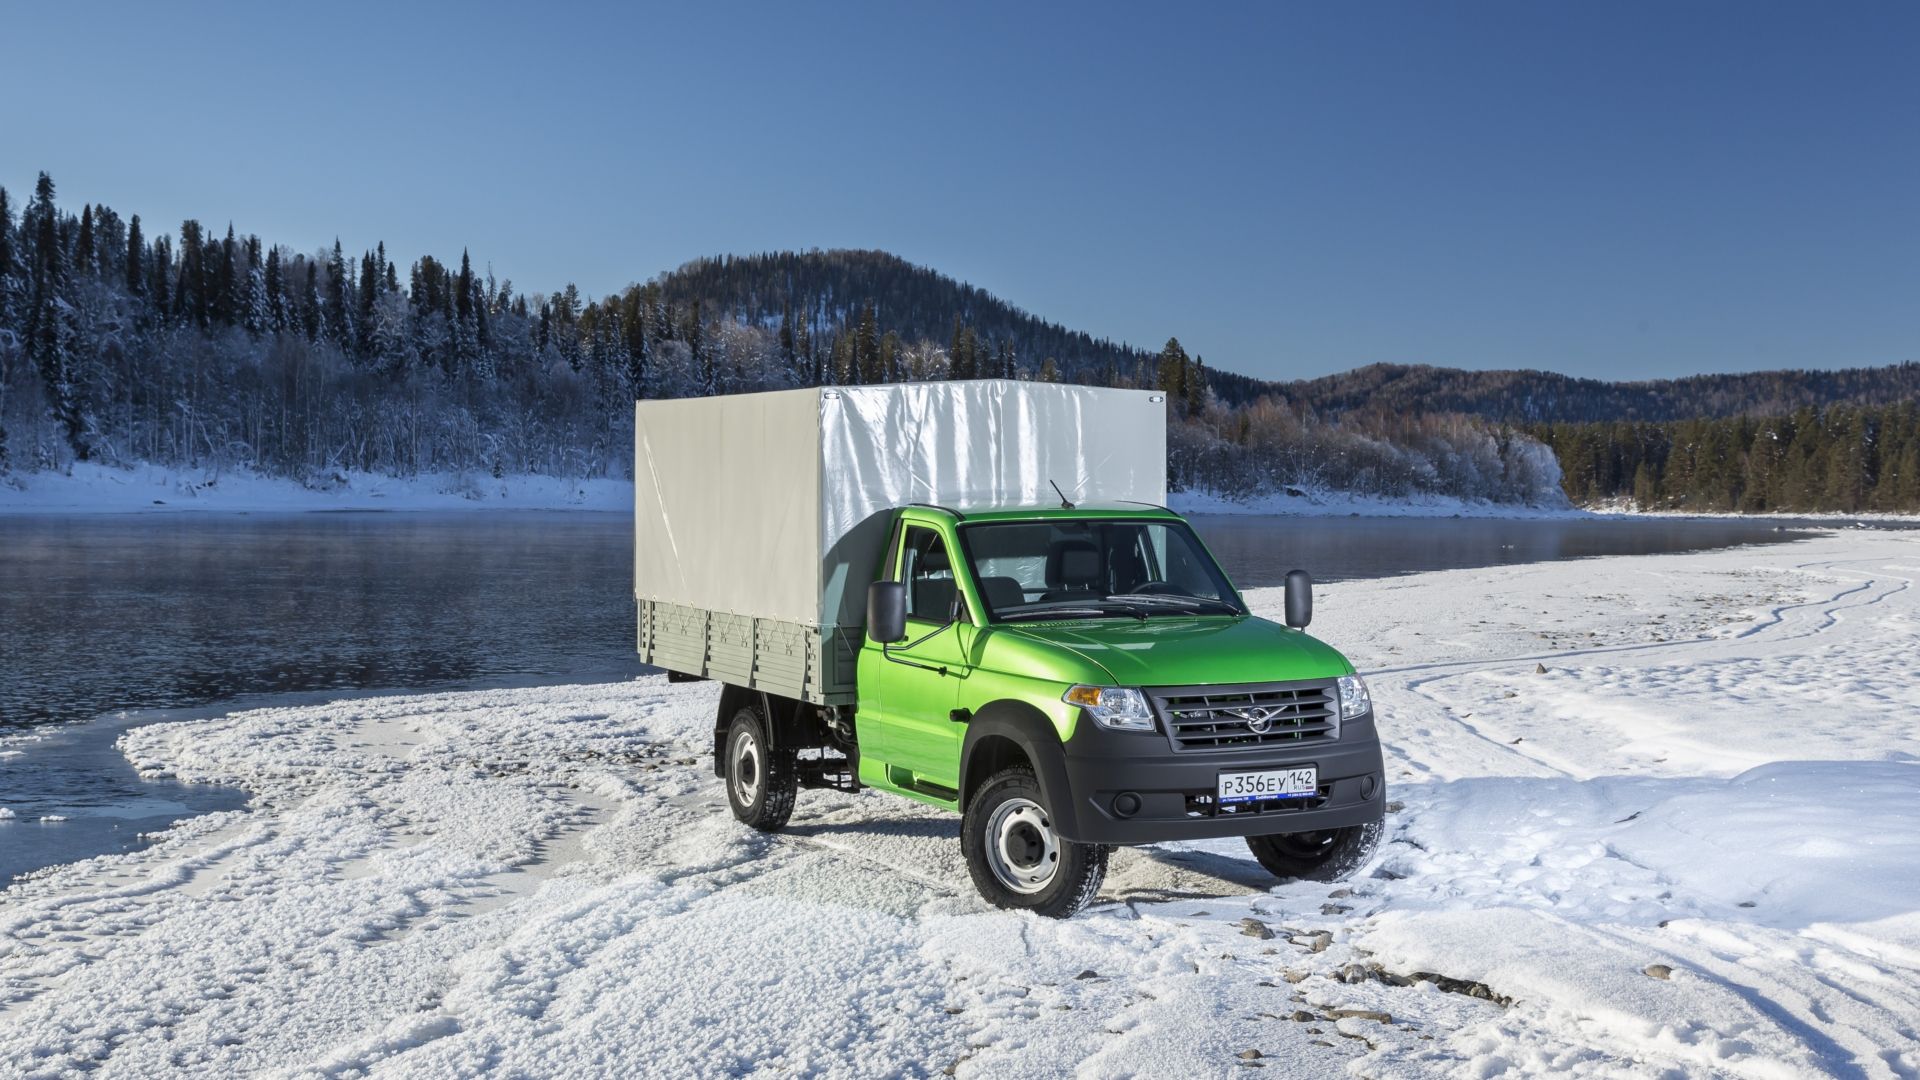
column 1259, row 721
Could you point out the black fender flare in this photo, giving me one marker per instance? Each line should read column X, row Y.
column 786, row 721
column 1033, row 733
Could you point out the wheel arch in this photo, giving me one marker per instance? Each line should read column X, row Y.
column 732, row 700
column 788, row 722
column 1008, row 732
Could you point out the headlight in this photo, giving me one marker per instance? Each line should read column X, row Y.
column 1121, row 708
column 1353, row 697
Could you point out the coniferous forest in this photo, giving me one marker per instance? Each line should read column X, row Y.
column 1845, row 458
column 200, row 348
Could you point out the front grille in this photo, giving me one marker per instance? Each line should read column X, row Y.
column 1229, row 717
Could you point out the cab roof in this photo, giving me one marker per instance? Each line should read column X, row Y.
column 1053, row 512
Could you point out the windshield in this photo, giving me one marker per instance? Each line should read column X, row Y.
column 1081, row 569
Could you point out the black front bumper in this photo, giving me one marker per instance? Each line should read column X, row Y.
column 1175, row 790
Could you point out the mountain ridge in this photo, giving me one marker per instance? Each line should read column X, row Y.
column 827, row 289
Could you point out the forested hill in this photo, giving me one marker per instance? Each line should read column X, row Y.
column 1532, row 397
column 211, row 349
column 815, row 294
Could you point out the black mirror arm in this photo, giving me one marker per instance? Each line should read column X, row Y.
column 938, row 669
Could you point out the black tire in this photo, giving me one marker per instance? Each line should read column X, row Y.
column 1327, row 855
column 1039, row 871
column 761, row 781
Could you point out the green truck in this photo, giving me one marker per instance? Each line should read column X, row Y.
column 969, row 594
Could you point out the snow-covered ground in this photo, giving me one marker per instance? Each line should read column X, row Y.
column 1347, row 503
column 1689, row 846
column 101, row 489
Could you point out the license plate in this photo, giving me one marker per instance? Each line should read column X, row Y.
column 1274, row 784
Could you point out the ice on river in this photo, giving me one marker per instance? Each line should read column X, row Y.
column 1654, row 816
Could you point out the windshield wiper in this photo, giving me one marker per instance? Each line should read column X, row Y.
column 1110, row 606
column 1180, row 599
column 1054, row 612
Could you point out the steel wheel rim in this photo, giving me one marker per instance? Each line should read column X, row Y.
column 1022, row 849
column 746, row 770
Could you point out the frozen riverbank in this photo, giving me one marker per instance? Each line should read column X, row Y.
column 1344, row 504
column 1711, row 781
column 100, row 489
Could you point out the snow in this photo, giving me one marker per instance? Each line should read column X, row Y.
column 1687, row 847
column 1628, row 508
column 1326, row 503
column 92, row 488
column 89, row 488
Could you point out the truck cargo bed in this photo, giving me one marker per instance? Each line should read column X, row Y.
column 759, row 519
column 789, row 659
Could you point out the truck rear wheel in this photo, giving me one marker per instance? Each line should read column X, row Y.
column 1326, row 855
column 1015, row 857
column 761, row 781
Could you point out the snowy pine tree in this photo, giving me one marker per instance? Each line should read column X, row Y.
column 9, row 286
column 50, row 330
column 136, row 275
column 340, row 302
column 256, row 307
column 276, row 287
column 9, row 335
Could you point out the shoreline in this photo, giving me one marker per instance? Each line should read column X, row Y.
column 90, row 489
column 93, row 489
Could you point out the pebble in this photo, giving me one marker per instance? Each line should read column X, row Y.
column 1360, row 1014
column 1539, row 669
column 1254, row 928
column 1660, row 971
column 1250, row 1055
column 1302, row 1016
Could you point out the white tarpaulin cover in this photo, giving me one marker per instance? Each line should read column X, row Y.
column 776, row 505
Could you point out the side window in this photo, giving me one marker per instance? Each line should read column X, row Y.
column 928, row 574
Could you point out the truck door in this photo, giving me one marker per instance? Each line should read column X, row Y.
column 910, row 706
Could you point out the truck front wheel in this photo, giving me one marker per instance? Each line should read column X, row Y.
column 1327, row 855
column 761, row 781
column 1017, row 859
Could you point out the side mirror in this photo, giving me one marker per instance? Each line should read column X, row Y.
column 1299, row 599
column 887, row 612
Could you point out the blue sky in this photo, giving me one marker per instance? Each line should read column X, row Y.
column 1622, row 190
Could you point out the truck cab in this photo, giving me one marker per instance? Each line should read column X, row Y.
column 1099, row 659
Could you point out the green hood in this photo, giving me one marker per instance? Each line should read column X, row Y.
column 1173, row 651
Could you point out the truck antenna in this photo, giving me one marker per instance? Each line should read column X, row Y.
column 1065, row 503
